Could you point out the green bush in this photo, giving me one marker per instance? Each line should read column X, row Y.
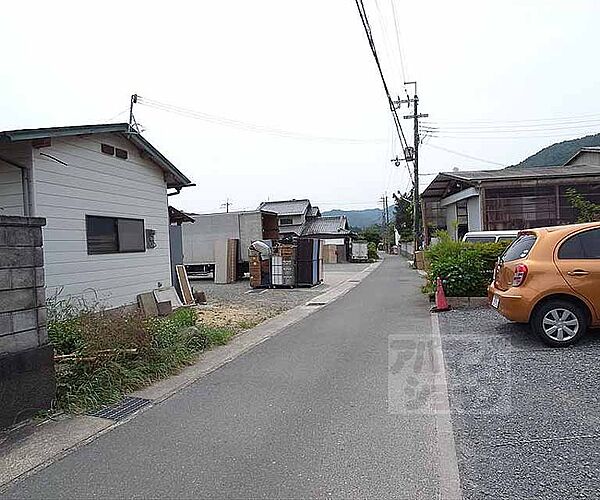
column 466, row 269
column 372, row 251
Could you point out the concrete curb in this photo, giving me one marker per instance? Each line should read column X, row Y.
column 52, row 440
column 465, row 302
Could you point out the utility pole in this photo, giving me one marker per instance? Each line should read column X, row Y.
column 385, row 221
column 133, row 125
column 415, row 157
column 226, row 205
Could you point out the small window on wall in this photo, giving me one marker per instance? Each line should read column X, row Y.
column 114, row 235
column 121, row 153
column 107, row 149
column 286, row 221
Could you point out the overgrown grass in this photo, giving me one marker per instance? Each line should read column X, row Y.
column 119, row 352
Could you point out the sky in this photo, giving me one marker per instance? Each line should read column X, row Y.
column 499, row 80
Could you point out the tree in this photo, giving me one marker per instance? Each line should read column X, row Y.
column 403, row 214
column 372, row 234
column 586, row 210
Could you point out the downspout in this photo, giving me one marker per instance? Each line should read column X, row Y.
column 25, row 186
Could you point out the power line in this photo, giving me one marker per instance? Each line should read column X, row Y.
column 246, row 126
column 499, row 122
column 397, row 28
column 365, row 22
column 520, row 136
column 464, row 155
column 507, row 130
column 564, row 124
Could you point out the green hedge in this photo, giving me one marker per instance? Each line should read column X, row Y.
column 466, row 269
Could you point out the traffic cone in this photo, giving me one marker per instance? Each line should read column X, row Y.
column 441, row 304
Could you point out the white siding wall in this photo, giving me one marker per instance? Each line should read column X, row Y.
column 11, row 187
column 451, row 219
column 11, row 192
column 98, row 184
column 474, row 213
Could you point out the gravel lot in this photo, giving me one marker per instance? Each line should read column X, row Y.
column 239, row 306
column 526, row 417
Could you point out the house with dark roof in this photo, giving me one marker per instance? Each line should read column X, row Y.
column 103, row 190
column 327, row 227
column 292, row 214
column 335, row 234
column 508, row 199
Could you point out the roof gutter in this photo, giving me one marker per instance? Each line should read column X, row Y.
column 178, row 189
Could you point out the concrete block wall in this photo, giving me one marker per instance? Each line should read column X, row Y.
column 26, row 360
column 22, row 293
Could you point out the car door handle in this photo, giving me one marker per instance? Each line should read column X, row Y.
column 578, row 272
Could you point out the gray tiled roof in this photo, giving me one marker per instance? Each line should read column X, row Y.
column 286, row 207
column 326, row 225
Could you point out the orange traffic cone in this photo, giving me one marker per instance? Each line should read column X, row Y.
column 441, row 304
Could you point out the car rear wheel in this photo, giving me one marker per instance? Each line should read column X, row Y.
column 559, row 323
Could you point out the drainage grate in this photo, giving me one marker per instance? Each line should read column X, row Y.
column 126, row 407
column 316, row 303
column 353, row 281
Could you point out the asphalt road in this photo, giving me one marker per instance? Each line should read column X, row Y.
column 306, row 414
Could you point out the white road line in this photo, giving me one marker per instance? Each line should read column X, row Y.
column 449, row 476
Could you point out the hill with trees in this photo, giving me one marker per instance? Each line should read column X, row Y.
column 559, row 152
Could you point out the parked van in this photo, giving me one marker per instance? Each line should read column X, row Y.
column 490, row 236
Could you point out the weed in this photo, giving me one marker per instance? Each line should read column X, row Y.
column 141, row 351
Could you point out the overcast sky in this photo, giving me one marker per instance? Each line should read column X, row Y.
column 305, row 67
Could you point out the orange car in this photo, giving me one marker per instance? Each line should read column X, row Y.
column 550, row 278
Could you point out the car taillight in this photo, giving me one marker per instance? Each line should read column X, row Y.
column 520, row 275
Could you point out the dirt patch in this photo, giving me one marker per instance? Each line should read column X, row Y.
column 237, row 317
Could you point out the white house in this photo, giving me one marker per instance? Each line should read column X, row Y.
column 103, row 190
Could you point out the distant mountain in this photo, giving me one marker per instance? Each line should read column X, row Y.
column 560, row 152
column 359, row 219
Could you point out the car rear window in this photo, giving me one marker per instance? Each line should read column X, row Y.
column 581, row 246
column 480, row 239
column 519, row 249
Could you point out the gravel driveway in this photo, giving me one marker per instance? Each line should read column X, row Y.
column 526, row 417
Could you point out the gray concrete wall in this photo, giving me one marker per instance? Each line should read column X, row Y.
column 26, row 360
